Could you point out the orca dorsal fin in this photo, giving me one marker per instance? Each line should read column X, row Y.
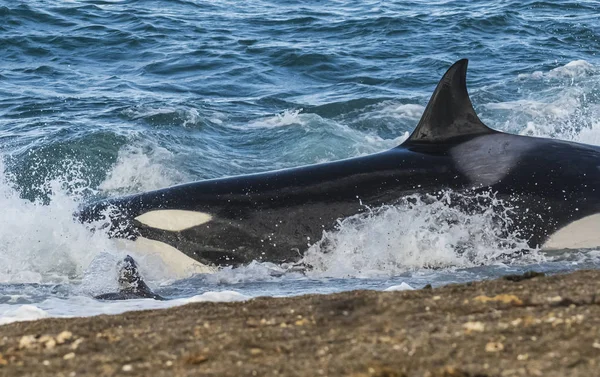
column 449, row 113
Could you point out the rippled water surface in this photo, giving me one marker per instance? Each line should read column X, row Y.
column 105, row 98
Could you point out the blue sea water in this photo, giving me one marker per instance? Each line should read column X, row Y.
column 105, row 98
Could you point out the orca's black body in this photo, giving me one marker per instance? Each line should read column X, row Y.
column 274, row 216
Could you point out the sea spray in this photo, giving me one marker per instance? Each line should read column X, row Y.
column 445, row 230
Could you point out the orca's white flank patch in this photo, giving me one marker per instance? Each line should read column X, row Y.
column 177, row 263
column 580, row 234
column 174, row 220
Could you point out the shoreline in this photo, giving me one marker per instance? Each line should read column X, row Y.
column 514, row 326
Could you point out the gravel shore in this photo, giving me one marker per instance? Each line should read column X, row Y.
column 515, row 326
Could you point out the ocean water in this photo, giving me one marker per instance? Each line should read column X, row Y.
column 105, row 98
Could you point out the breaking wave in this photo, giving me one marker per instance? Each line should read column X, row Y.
column 422, row 231
column 141, row 168
column 42, row 242
column 561, row 103
column 39, row 241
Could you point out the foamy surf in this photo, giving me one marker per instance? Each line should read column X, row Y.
column 141, row 168
column 561, row 103
column 421, row 231
column 72, row 307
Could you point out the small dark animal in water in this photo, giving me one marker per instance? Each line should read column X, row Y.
column 131, row 285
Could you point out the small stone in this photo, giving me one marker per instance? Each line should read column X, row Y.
column 555, row 299
column 168, row 363
column 523, row 357
column 323, row 351
column 49, row 343
column 452, row 371
column 69, row 356
column 196, row 359
column 255, row 351
column 27, row 341
column 46, row 362
column 63, row 337
column 596, row 345
column 76, row 343
column 516, row 322
column 474, row 326
column 127, row 368
column 494, row 347
column 436, row 298
column 503, row 298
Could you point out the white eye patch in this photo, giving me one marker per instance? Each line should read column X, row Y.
column 173, row 220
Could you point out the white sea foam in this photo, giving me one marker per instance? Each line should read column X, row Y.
column 82, row 306
column 41, row 242
column 576, row 68
column 44, row 242
column 421, row 231
column 564, row 105
column 381, row 143
column 12, row 313
column 221, row 296
column 400, row 287
column 254, row 271
column 286, row 118
column 409, row 111
column 141, row 168
column 573, row 69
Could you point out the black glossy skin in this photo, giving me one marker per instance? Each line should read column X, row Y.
column 274, row 216
column 270, row 216
column 549, row 183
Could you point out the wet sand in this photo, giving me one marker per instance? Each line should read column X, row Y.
column 539, row 326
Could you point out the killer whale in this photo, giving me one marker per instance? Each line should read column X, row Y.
column 552, row 186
